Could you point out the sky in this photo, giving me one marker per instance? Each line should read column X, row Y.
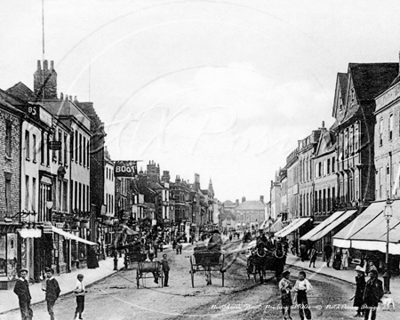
column 224, row 89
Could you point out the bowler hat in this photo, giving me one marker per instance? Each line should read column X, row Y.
column 23, row 270
column 360, row 269
column 285, row 273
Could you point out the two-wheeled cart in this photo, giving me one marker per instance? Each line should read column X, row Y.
column 153, row 267
column 204, row 260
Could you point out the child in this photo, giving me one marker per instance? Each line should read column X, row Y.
column 165, row 269
column 52, row 291
column 301, row 287
column 285, row 286
column 79, row 291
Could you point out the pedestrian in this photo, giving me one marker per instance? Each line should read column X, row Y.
column 345, row 258
column 52, row 291
column 337, row 261
column 301, row 287
column 285, row 286
column 312, row 256
column 165, row 269
column 360, row 287
column 21, row 289
column 328, row 253
column 370, row 266
column 303, row 252
column 373, row 293
column 79, row 291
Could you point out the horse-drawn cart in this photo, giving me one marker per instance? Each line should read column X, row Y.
column 153, row 267
column 207, row 260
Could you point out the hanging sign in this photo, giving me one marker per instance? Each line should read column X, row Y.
column 127, row 169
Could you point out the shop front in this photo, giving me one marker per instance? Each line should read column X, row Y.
column 9, row 247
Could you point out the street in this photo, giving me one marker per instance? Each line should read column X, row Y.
column 117, row 296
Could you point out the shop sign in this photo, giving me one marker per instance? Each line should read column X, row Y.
column 55, row 145
column 127, row 169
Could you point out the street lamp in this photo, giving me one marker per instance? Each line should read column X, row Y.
column 388, row 212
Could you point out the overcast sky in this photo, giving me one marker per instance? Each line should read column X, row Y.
column 219, row 88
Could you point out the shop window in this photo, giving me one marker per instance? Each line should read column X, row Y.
column 8, row 138
column 8, row 255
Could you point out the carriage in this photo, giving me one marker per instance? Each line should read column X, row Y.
column 207, row 260
column 153, row 267
column 133, row 255
column 266, row 258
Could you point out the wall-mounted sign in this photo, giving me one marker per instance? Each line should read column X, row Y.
column 127, row 169
column 55, row 145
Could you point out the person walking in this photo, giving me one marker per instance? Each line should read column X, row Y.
column 337, row 261
column 79, row 291
column 360, row 287
column 328, row 253
column 303, row 252
column 312, row 256
column 285, row 286
column 345, row 259
column 373, row 293
column 302, row 287
column 21, row 289
column 165, row 269
column 52, row 291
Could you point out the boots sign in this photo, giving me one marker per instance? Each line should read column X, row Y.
column 127, row 169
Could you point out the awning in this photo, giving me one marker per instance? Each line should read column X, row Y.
column 297, row 223
column 71, row 236
column 30, row 233
column 322, row 225
column 342, row 238
column 374, row 235
column 277, row 226
column 333, row 225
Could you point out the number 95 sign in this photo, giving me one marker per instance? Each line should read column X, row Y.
column 126, row 169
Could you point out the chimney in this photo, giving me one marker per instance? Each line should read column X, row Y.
column 237, row 202
column 39, row 66
column 323, row 124
column 262, row 199
column 243, row 199
column 75, row 98
column 61, row 96
column 51, row 65
column 45, row 81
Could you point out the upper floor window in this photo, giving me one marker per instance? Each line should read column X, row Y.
column 80, row 149
column 34, row 147
column 42, row 149
column 328, row 166
column 333, row 164
column 351, row 141
column 27, row 147
column 60, row 151
column 8, row 137
column 381, row 132
column 65, row 150
column 356, row 137
column 391, row 127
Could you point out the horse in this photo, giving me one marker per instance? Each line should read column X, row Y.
column 264, row 258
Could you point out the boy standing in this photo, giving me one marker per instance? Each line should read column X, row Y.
column 52, row 291
column 285, row 286
column 21, row 289
column 301, row 287
column 79, row 291
column 165, row 269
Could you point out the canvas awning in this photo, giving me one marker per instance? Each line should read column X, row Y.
column 277, row 226
column 30, row 233
column 71, row 236
column 322, row 225
column 333, row 225
column 374, row 235
column 342, row 238
column 293, row 226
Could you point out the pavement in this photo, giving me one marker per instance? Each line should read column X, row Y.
column 9, row 300
column 344, row 275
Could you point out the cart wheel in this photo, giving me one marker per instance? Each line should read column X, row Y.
column 137, row 278
column 192, row 271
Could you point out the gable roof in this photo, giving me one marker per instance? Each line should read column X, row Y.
column 326, row 143
column 371, row 79
column 22, row 92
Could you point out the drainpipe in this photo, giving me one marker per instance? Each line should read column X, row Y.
column 390, row 174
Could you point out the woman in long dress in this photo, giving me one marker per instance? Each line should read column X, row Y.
column 345, row 258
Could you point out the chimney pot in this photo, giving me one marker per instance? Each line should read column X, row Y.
column 243, row 199
column 51, row 65
column 45, row 65
column 75, row 98
column 39, row 67
column 323, row 124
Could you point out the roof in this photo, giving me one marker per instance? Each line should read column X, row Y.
column 343, row 83
column 21, row 91
column 371, row 79
column 251, row 205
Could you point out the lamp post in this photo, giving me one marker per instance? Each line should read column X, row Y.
column 388, row 212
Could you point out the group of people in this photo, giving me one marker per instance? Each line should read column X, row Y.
column 52, row 291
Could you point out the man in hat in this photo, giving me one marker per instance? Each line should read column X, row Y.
column 373, row 293
column 285, row 286
column 52, row 291
column 21, row 289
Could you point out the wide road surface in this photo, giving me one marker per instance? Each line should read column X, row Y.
column 117, row 297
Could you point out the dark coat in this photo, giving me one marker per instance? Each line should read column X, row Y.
column 52, row 290
column 373, row 292
column 360, row 287
column 165, row 265
column 21, row 289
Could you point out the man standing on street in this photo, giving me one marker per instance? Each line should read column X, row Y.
column 52, row 291
column 373, row 293
column 165, row 269
column 21, row 289
column 328, row 253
